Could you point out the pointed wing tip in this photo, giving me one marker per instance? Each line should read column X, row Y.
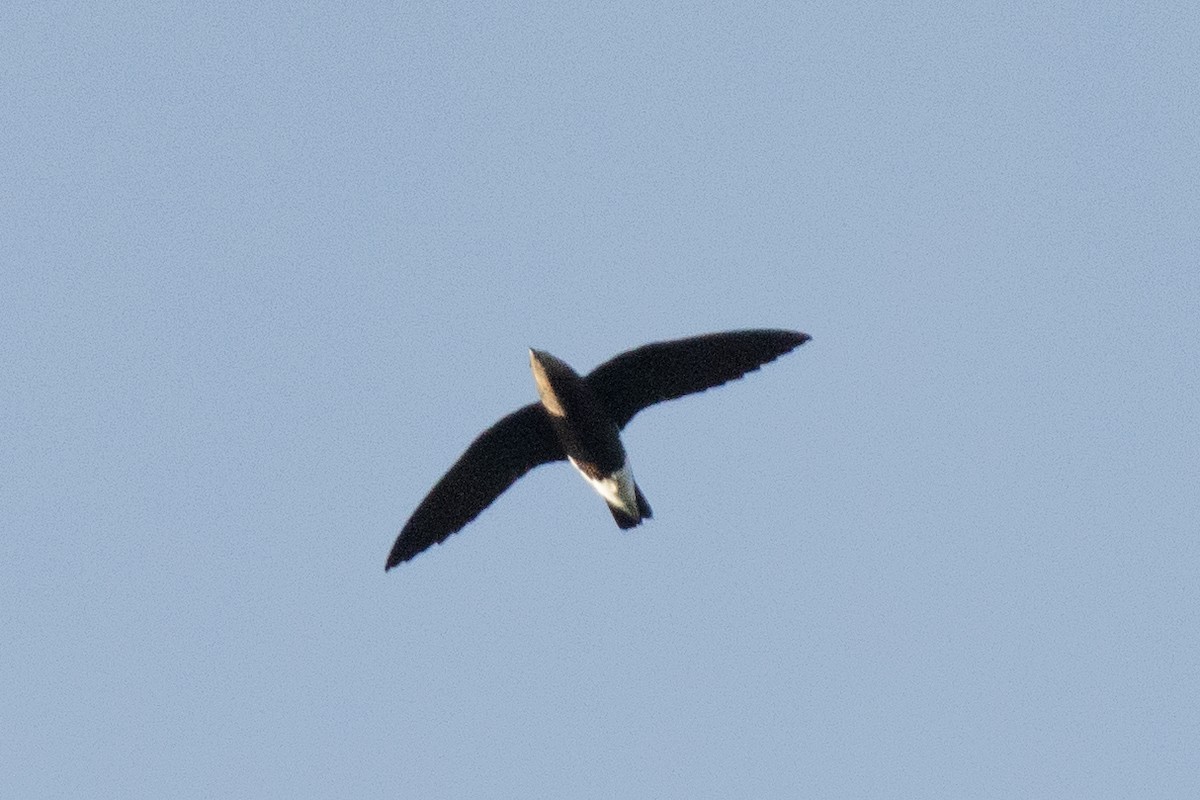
column 780, row 340
column 786, row 341
column 393, row 559
column 402, row 551
column 797, row 338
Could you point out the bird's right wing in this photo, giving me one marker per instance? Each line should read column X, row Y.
column 494, row 461
column 665, row 370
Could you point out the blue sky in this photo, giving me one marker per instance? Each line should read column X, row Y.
column 267, row 271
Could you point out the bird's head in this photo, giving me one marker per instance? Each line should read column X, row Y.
column 556, row 381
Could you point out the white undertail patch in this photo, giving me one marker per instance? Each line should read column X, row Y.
column 616, row 489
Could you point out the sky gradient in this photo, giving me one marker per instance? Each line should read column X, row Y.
column 267, row 271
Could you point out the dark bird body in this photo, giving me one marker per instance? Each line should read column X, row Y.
column 579, row 419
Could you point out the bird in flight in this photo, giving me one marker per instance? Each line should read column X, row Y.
column 579, row 419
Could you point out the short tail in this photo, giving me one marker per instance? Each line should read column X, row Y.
column 624, row 519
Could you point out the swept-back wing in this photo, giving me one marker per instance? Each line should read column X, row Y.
column 666, row 370
column 494, row 461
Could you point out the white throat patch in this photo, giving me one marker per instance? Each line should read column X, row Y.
column 616, row 489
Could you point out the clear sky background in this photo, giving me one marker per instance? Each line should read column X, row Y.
column 268, row 269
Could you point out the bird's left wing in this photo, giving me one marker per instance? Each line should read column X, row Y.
column 494, row 461
column 665, row 370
